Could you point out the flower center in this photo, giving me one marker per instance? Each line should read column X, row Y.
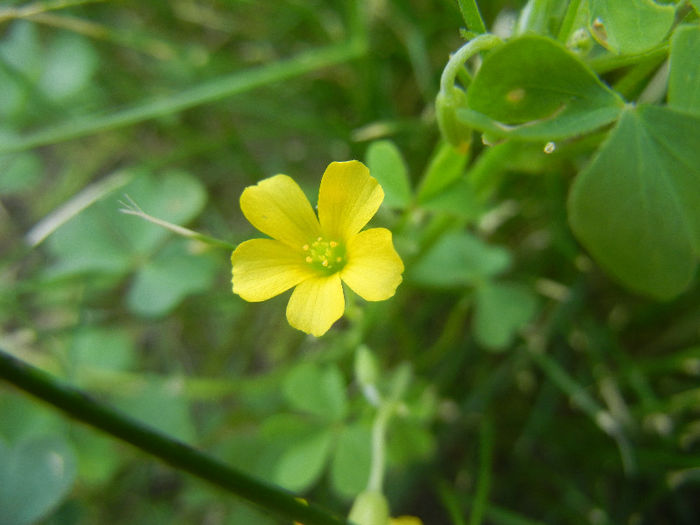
column 325, row 256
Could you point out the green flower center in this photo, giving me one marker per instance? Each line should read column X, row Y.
column 328, row 257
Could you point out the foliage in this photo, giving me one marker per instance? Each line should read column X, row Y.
column 539, row 362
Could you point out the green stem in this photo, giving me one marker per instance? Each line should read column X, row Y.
column 472, row 16
column 568, row 22
column 376, row 474
column 82, row 407
column 459, row 57
column 201, row 94
column 483, row 486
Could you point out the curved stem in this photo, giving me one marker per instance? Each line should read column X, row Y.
column 459, row 57
column 81, row 406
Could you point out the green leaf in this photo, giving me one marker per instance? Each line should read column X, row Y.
column 502, row 309
column 352, row 460
column 636, row 207
column 162, row 405
column 459, row 258
column 35, row 476
column 696, row 5
column 168, row 278
column 174, row 196
column 98, row 456
column 302, row 463
column 459, row 198
column 96, row 347
column 20, row 64
column 409, row 442
column 19, row 172
column 386, row 164
column 23, row 418
column 533, row 88
column 629, row 27
column 101, row 239
column 445, row 168
column 684, row 71
column 318, row 391
column 70, row 63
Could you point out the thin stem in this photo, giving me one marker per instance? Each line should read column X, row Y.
column 203, row 93
column 82, row 407
column 26, row 11
column 131, row 208
column 376, row 474
column 483, row 486
column 568, row 22
column 472, row 16
column 459, row 57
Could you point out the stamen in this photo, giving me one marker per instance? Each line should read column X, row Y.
column 325, row 256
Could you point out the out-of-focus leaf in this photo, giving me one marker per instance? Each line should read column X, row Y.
column 70, row 63
column 458, row 259
column 101, row 239
column 629, row 27
column 445, row 167
column 459, row 198
column 20, row 64
column 35, row 475
column 409, row 442
column 386, row 164
column 351, row 460
column 23, row 418
column 97, row 347
column 636, row 207
column 303, row 461
column 168, row 278
column 318, row 391
column 162, row 405
column 19, row 172
column 98, row 457
column 684, row 70
column 535, row 89
column 502, row 309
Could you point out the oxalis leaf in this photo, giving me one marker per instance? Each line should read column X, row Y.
column 636, row 207
column 35, row 476
column 629, row 27
column 533, row 88
column 684, row 70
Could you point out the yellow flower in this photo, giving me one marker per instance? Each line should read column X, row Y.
column 315, row 254
column 405, row 520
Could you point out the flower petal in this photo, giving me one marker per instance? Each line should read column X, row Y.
column 374, row 269
column 263, row 268
column 347, row 199
column 316, row 304
column 277, row 207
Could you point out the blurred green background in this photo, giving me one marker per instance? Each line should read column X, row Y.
column 540, row 390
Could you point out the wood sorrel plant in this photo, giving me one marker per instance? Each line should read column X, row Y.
column 635, row 204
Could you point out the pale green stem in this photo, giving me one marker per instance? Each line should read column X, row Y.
column 183, row 99
column 569, row 19
column 459, row 57
column 133, row 209
column 472, row 16
column 376, row 475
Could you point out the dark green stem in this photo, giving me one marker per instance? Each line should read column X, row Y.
column 82, row 407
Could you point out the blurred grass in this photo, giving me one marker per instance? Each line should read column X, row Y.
column 232, row 92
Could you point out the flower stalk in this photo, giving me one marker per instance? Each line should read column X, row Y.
column 84, row 408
